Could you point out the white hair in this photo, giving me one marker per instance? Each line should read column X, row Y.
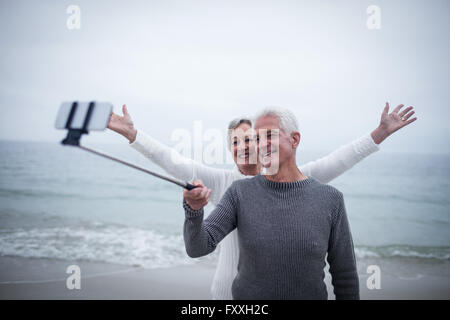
column 233, row 125
column 288, row 121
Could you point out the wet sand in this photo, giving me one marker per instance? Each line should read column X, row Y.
column 25, row 278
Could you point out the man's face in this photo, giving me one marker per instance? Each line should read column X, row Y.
column 275, row 146
column 243, row 145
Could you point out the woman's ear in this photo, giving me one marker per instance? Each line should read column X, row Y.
column 295, row 138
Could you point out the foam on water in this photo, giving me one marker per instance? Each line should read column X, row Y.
column 96, row 242
column 138, row 247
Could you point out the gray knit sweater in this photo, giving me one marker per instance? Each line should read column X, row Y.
column 285, row 231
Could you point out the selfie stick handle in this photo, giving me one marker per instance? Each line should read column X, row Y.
column 73, row 139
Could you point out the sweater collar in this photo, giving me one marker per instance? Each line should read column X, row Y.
column 300, row 184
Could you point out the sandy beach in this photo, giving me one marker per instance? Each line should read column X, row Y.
column 24, row 278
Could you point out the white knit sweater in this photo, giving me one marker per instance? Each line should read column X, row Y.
column 218, row 180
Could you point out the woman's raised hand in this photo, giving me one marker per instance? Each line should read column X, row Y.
column 123, row 124
column 391, row 122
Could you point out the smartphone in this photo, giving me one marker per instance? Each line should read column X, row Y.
column 99, row 117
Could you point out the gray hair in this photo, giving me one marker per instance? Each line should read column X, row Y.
column 288, row 121
column 233, row 125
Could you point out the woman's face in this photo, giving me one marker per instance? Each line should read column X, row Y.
column 244, row 145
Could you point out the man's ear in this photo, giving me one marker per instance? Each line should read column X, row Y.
column 295, row 138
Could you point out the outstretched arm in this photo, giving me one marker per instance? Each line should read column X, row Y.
column 336, row 163
column 167, row 158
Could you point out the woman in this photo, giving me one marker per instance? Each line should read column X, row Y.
column 218, row 180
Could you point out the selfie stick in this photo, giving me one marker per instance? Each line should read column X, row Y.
column 74, row 136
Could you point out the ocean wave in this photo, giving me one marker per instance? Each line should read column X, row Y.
column 143, row 194
column 36, row 193
column 97, row 242
column 420, row 199
column 130, row 246
column 403, row 251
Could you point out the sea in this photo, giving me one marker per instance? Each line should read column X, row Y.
column 60, row 202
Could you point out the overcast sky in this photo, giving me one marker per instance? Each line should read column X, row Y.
column 174, row 62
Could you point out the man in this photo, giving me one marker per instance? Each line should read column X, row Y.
column 287, row 223
column 324, row 169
